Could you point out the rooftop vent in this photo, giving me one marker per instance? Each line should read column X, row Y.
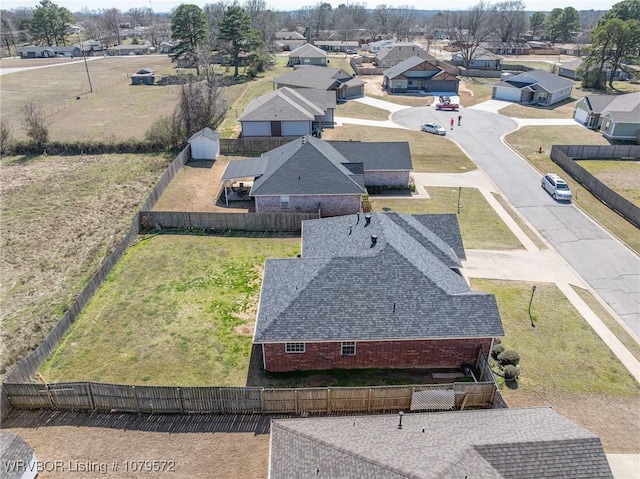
column 374, row 240
column 367, row 219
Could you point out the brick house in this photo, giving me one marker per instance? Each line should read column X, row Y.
column 375, row 291
column 416, row 74
column 308, row 175
column 495, row 443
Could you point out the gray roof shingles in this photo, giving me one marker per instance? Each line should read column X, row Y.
column 364, row 281
column 495, row 443
column 312, row 76
column 308, row 51
column 378, row 155
column 405, row 65
column 548, row 81
column 284, row 104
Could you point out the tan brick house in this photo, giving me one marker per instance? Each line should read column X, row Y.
column 374, row 291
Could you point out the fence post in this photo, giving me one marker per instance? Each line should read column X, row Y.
column 464, row 401
column 328, row 400
column 91, row 401
column 179, row 395
column 46, row 386
column 262, row 400
column 369, row 401
column 135, row 395
column 295, row 400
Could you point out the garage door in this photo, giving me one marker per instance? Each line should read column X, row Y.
column 508, row 94
column 581, row 115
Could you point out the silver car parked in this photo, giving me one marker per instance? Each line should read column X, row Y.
column 556, row 187
column 433, row 128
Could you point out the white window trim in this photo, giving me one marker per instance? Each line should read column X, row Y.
column 285, row 202
column 286, row 348
column 347, row 344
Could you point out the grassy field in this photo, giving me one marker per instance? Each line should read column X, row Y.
column 527, row 140
column 480, row 225
column 539, row 65
column 563, row 109
column 355, row 109
column 565, row 365
column 177, row 310
column 476, row 90
column 61, row 216
column 623, row 177
column 429, row 153
column 116, row 109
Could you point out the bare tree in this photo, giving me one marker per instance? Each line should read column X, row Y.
column 111, row 22
column 201, row 104
column 402, row 21
column 315, row 19
column 510, row 19
column 347, row 19
column 469, row 29
column 6, row 136
column 214, row 12
column 35, row 124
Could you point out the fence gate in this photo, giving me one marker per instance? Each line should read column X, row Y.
column 432, row 399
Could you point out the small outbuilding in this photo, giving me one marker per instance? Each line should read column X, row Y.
column 146, row 76
column 205, row 145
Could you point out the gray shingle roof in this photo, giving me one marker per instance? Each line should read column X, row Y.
column 308, row 51
column 364, row 281
column 401, row 51
column 322, row 98
column 14, row 450
column 377, row 156
column 312, row 76
column 284, row 104
column 496, row 443
column 248, row 168
column 548, row 81
column 405, row 65
column 205, row 132
column 306, row 166
column 624, row 108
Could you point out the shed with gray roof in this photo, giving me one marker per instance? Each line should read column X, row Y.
column 528, row 443
column 536, row 86
column 384, row 286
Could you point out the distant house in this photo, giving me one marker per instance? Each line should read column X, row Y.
column 374, row 47
column 146, row 76
column 168, row 46
column 374, row 291
column 617, row 117
column 570, row 69
column 36, row 52
column 322, row 78
column 288, row 112
column 142, row 49
column 494, row 443
column 205, row 145
column 337, row 45
column 287, row 35
column 91, row 46
column 483, row 60
column 288, row 41
column 418, row 74
column 68, row 51
column 391, row 55
column 308, row 54
column 508, row 48
column 535, row 86
column 307, row 174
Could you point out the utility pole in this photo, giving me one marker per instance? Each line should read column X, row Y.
column 86, row 66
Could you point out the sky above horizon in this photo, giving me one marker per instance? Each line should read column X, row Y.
column 288, row 5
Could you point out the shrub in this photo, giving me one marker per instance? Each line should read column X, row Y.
column 510, row 372
column 497, row 350
column 509, row 357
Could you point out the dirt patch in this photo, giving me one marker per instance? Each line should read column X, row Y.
column 615, row 420
column 224, row 455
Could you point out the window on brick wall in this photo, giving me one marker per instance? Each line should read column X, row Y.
column 294, row 348
column 349, row 348
column 284, row 202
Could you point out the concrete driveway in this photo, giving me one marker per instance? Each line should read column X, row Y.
column 608, row 266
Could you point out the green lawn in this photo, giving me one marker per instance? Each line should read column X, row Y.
column 476, row 90
column 429, row 153
column 561, row 354
column 176, row 310
column 355, row 109
column 480, row 225
column 536, row 65
column 527, row 140
column 561, row 110
column 623, row 177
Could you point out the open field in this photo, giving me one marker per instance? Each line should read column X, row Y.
column 116, row 109
column 476, row 90
column 480, row 226
column 623, row 177
column 61, row 216
column 177, row 310
column 527, row 140
column 429, row 153
column 565, row 365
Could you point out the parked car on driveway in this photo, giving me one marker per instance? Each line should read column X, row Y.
column 556, row 187
column 433, row 128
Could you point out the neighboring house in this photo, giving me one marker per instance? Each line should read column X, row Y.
column 570, row 69
column 68, row 51
column 322, row 78
column 91, row 46
column 308, row 174
column 375, row 47
column 418, row 74
column 288, row 112
column 146, row 76
column 337, row 45
column 506, row 48
column 36, row 52
column 483, row 60
column 73, row 29
column 168, row 46
column 617, row 117
column 205, row 144
column 18, row 459
column 128, row 50
column 494, row 443
column 395, row 53
column 308, row 54
column 287, row 35
column 374, row 291
column 535, row 86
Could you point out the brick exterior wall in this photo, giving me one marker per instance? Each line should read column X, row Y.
column 437, row 353
column 386, row 178
column 333, row 205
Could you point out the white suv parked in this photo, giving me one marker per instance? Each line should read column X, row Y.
column 556, row 187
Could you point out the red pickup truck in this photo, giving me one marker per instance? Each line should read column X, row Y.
column 445, row 103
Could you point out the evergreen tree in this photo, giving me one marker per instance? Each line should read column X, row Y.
column 189, row 28
column 562, row 24
column 235, row 28
column 49, row 23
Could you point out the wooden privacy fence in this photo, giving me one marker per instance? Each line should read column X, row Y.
column 565, row 155
column 246, row 400
column 259, row 145
column 225, row 221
